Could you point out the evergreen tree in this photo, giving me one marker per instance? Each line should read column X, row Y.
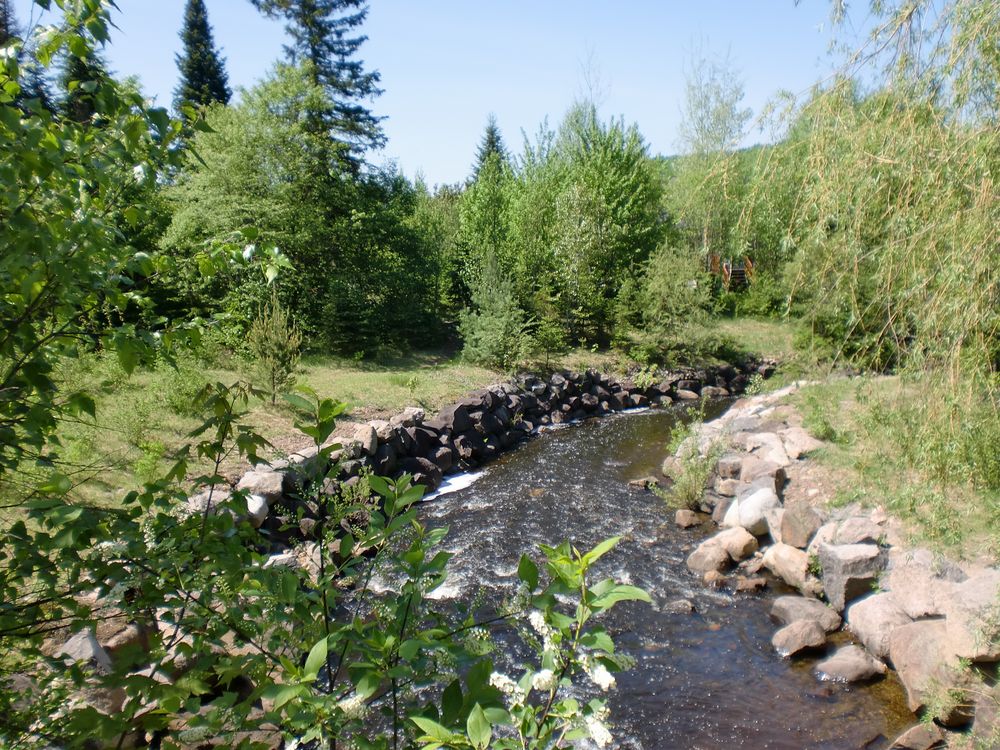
column 492, row 143
column 322, row 36
column 33, row 83
column 80, row 82
column 8, row 23
column 203, row 73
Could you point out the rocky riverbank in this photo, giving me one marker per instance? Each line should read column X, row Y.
column 935, row 621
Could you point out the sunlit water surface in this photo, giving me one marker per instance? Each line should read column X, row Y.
column 703, row 681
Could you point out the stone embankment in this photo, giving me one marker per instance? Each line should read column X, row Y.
column 934, row 621
column 459, row 438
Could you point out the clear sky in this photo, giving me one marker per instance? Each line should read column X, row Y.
column 446, row 64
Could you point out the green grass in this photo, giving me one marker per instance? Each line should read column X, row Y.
column 143, row 418
column 881, row 460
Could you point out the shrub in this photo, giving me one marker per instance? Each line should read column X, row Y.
column 494, row 333
column 276, row 345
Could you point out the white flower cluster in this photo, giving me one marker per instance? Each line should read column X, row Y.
column 598, row 731
column 537, row 621
column 544, row 680
column 353, row 706
column 598, row 673
column 508, row 687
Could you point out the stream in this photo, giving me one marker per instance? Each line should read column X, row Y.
column 705, row 680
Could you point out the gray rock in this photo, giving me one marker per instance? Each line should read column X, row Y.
column 920, row 582
column 849, row 571
column 750, row 512
column 727, row 487
column 367, row 438
column 972, row 610
column 738, row 543
column 83, row 647
column 873, row 619
column 789, row 609
column 824, row 535
column 850, row 664
column 798, row 525
column 857, row 530
column 714, row 391
column 986, row 727
column 767, row 446
column 754, row 467
column 791, row 565
column 267, row 484
column 773, row 518
column 729, row 466
column 686, row 395
column 679, row 607
column 411, row 416
column 686, row 518
column 928, row 668
column 257, row 510
column 798, row 442
column 920, row 737
column 799, row 636
column 708, row 556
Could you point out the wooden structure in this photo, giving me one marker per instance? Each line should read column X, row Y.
column 736, row 273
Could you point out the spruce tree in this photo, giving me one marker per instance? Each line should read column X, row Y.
column 80, row 82
column 322, row 36
column 492, row 143
column 203, row 73
column 8, row 23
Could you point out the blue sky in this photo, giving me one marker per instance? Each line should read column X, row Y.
column 446, row 64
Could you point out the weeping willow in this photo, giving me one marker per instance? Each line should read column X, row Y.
column 891, row 223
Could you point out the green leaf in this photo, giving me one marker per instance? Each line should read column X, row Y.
column 432, row 730
column 478, row 726
column 620, row 593
column 451, row 701
column 316, row 658
column 527, row 571
column 600, row 550
column 281, row 694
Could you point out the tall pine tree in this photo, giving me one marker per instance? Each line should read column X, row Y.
column 203, row 73
column 322, row 34
column 8, row 23
column 492, row 143
column 80, row 83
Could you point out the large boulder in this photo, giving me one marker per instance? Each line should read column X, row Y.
column 767, row 446
column 738, row 543
column 873, row 619
column 920, row 737
column 799, row 636
column 686, row 518
column 750, row 511
column 921, row 582
column 789, row 609
column 798, row 525
column 972, row 611
column 456, row 418
column 858, row 530
column 708, row 556
column 797, row 442
column 849, row 571
column 850, row 664
column 986, row 728
column 268, row 484
column 791, row 565
column 929, row 670
column 367, row 438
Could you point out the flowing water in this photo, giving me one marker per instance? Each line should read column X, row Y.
column 703, row 681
